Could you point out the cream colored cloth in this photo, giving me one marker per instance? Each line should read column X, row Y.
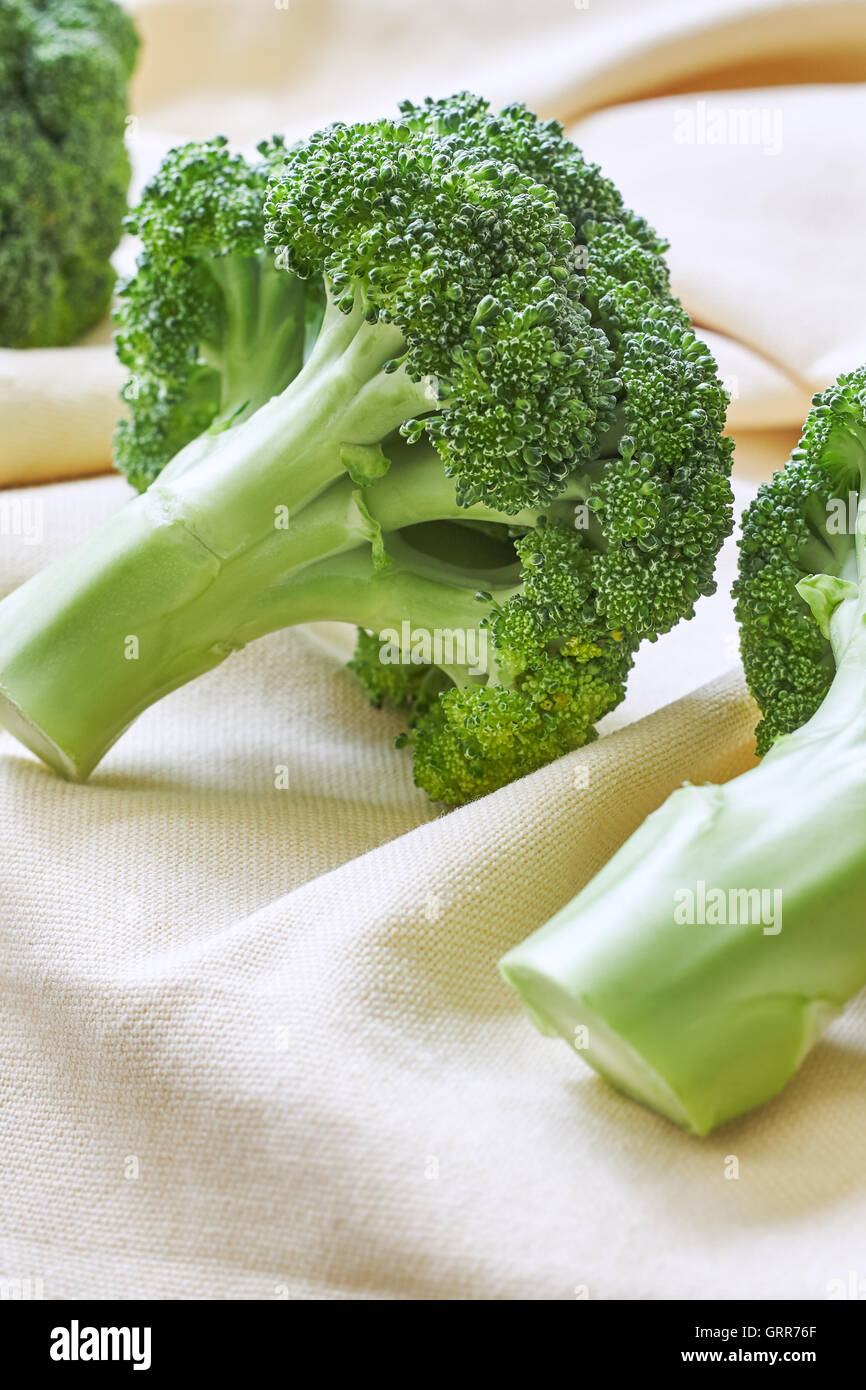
column 254, row 1040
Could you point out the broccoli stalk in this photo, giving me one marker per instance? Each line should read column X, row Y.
column 371, row 379
column 219, row 570
column 699, row 967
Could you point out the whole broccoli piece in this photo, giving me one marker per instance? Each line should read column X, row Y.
column 699, row 967
column 423, row 375
column 64, row 170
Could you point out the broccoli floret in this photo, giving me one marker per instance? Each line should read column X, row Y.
column 207, row 326
column 423, row 375
column 539, row 149
column 797, row 526
column 64, row 170
column 708, row 955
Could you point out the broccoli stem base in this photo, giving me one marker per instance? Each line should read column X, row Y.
column 699, row 967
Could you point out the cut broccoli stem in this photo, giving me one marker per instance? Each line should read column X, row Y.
column 704, row 1019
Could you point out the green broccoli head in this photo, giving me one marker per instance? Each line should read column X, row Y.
column 474, row 263
column 802, row 523
column 64, row 170
column 652, row 491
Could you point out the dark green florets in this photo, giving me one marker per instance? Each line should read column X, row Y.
column 665, row 503
column 475, row 264
column 555, row 613
column 555, row 671
column 798, row 526
column 64, row 169
column 539, row 149
column 203, row 200
column 481, row 737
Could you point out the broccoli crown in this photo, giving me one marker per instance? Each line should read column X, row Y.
column 475, row 264
column 664, row 503
column 206, row 325
column 64, row 170
column 539, row 149
column 465, row 280
column 656, row 492
column 799, row 524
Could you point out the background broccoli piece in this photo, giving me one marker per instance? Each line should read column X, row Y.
column 64, row 170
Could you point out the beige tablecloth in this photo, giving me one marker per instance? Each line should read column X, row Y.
column 254, row 1042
